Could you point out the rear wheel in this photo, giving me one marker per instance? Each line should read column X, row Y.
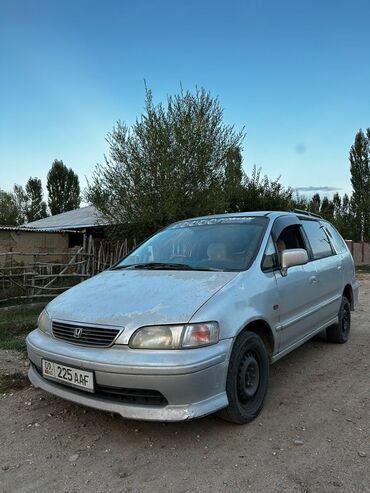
column 339, row 332
column 247, row 379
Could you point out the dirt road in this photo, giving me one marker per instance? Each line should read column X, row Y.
column 313, row 435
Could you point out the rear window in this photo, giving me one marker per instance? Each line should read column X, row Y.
column 336, row 239
column 318, row 239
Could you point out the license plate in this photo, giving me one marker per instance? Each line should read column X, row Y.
column 70, row 376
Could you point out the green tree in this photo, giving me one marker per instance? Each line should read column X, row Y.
column 233, row 187
column 36, row 207
column 63, row 187
column 299, row 202
column 261, row 193
column 171, row 164
column 327, row 209
column 8, row 209
column 346, row 204
column 343, row 216
column 315, row 204
column 337, row 204
column 20, row 201
column 359, row 158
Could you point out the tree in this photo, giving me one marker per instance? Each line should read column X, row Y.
column 63, row 187
column 22, row 205
column 343, row 216
column 261, row 193
column 233, row 187
column 20, row 201
column 359, row 158
column 299, row 202
column 13, row 206
column 327, row 209
column 8, row 209
column 337, row 204
column 315, row 203
column 36, row 207
column 171, row 164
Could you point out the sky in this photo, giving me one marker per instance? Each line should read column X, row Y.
column 295, row 74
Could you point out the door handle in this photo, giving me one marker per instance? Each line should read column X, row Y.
column 339, row 267
column 313, row 280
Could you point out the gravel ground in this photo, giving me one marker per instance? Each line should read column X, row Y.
column 313, row 435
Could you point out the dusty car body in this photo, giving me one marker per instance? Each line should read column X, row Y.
column 173, row 341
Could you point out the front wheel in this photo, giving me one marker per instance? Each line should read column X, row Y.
column 340, row 332
column 247, row 379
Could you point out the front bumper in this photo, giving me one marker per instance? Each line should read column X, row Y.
column 191, row 381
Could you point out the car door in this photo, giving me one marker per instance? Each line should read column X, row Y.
column 329, row 270
column 298, row 294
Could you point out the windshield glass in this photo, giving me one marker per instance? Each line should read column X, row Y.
column 227, row 244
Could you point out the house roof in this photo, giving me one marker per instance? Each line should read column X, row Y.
column 85, row 217
column 24, row 229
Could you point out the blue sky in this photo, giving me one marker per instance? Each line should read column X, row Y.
column 296, row 74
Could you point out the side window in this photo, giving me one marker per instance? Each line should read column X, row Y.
column 318, row 239
column 270, row 260
column 290, row 237
column 336, row 239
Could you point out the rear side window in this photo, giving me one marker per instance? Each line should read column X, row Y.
column 318, row 239
column 336, row 239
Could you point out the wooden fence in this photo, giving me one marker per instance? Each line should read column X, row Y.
column 43, row 277
column 360, row 251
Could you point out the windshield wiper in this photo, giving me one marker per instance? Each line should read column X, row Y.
column 119, row 267
column 170, row 266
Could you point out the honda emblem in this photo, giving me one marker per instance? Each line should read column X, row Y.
column 77, row 333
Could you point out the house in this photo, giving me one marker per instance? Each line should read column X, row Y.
column 21, row 242
column 42, row 258
column 84, row 220
column 54, row 234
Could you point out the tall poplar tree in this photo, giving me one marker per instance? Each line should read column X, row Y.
column 36, row 207
column 359, row 158
column 63, row 188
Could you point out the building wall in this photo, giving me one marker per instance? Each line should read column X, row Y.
column 32, row 242
column 360, row 252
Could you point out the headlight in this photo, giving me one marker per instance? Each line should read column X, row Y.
column 175, row 336
column 44, row 322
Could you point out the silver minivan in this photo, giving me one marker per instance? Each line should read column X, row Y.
column 188, row 323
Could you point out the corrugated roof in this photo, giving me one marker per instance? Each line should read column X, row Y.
column 85, row 217
column 36, row 230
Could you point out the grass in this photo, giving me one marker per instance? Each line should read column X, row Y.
column 362, row 269
column 15, row 323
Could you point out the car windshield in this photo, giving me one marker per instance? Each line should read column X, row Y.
column 225, row 244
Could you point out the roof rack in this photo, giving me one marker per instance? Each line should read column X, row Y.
column 306, row 213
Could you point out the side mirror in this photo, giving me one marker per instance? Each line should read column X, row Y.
column 290, row 258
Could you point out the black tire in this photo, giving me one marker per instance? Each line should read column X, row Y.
column 247, row 379
column 339, row 332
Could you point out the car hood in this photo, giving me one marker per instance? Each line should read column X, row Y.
column 134, row 298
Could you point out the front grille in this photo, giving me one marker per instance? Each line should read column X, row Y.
column 143, row 397
column 84, row 335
